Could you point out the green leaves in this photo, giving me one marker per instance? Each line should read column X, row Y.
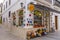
column 21, row 12
column 37, row 13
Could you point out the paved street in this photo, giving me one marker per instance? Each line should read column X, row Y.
column 5, row 35
column 51, row 36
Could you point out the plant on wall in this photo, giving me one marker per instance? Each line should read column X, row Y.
column 20, row 17
column 38, row 13
column 20, row 12
column 14, row 17
column 37, row 18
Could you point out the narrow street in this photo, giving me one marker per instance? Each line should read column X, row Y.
column 50, row 36
column 5, row 35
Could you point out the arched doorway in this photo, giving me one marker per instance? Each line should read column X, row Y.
column 42, row 19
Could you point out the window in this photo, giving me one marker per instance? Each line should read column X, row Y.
column 9, row 13
column 37, row 18
column 4, row 7
column 9, row 2
column 21, row 4
column 3, row 19
column 6, row 4
column 20, row 17
column 1, row 9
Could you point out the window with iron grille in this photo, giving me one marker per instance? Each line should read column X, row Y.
column 6, row 4
column 9, row 2
column 9, row 13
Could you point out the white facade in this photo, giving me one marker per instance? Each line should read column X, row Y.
column 16, row 5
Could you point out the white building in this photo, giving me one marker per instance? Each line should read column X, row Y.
column 18, row 17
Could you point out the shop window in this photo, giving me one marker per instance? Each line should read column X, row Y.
column 37, row 18
column 1, row 19
column 46, row 18
column 9, row 13
column 20, row 17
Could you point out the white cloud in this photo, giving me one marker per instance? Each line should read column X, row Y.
column 1, row 1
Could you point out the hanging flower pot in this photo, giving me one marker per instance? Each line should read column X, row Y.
column 20, row 12
column 37, row 13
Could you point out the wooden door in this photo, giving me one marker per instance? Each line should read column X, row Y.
column 56, row 22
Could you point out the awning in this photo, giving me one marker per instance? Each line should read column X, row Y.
column 45, row 8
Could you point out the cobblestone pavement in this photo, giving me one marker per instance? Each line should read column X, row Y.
column 50, row 36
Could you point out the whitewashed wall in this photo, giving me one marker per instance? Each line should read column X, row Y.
column 58, row 20
column 15, row 5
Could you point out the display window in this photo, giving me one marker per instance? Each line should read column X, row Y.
column 41, row 18
column 20, row 14
column 37, row 18
column 47, row 18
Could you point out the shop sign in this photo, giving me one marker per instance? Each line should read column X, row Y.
column 31, row 7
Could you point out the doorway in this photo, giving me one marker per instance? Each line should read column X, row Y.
column 38, row 18
column 56, row 22
column 42, row 18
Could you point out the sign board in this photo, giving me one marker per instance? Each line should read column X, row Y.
column 31, row 7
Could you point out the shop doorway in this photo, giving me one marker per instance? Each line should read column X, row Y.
column 56, row 22
column 37, row 19
column 42, row 19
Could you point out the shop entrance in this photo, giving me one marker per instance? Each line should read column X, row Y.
column 56, row 26
column 42, row 19
column 37, row 19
